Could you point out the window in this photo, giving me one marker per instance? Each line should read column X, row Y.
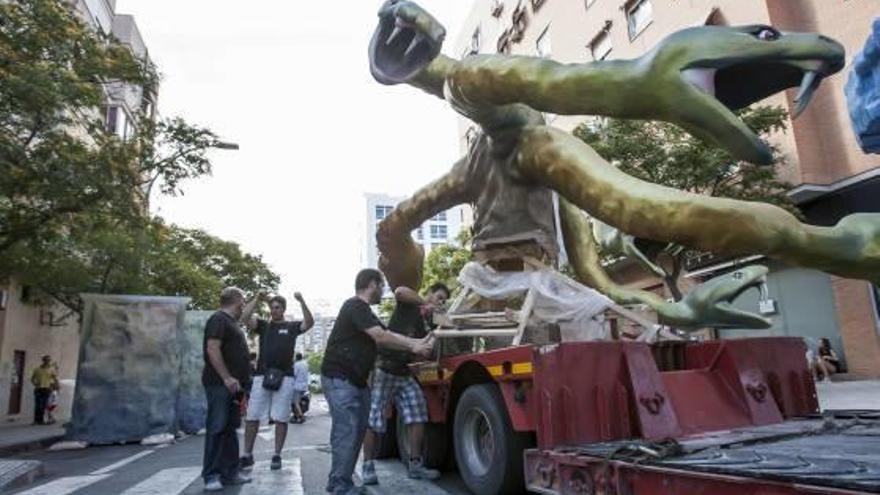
column 112, row 118
column 505, row 41
column 596, row 124
column 418, row 234
column 440, row 217
column 543, row 45
column 383, row 211
column 497, row 8
column 639, row 15
column 600, row 47
column 476, row 42
column 470, row 136
column 875, row 290
column 438, row 232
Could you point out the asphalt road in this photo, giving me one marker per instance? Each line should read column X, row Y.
column 174, row 469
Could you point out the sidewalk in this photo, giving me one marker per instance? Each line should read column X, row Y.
column 849, row 395
column 23, row 438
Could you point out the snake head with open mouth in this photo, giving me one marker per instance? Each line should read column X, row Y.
column 711, row 304
column 702, row 75
column 406, row 40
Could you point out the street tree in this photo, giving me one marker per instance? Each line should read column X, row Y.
column 665, row 154
column 444, row 262
column 56, row 160
column 104, row 255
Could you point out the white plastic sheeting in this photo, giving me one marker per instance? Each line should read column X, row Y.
column 577, row 309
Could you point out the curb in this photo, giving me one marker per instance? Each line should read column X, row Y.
column 29, row 445
column 16, row 474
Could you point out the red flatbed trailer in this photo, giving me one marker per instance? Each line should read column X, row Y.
column 718, row 417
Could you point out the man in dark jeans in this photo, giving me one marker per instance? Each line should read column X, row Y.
column 348, row 360
column 393, row 380
column 226, row 373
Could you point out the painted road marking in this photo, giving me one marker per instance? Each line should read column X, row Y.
column 166, row 482
column 123, row 462
column 288, row 480
column 296, row 480
column 65, row 486
column 393, row 479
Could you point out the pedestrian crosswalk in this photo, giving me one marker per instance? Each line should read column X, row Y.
column 64, row 486
column 174, row 481
column 168, row 481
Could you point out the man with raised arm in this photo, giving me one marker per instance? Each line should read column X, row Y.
column 272, row 388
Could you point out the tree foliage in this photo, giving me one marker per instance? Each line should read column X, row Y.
column 56, row 160
column 74, row 198
column 444, row 263
column 315, row 360
column 664, row 154
column 103, row 255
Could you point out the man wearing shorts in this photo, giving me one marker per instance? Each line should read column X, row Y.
column 277, row 344
column 392, row 379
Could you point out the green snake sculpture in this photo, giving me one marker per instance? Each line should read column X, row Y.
column 695, row 78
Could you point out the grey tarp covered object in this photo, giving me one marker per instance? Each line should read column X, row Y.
column 191, row 404
column 129, row 368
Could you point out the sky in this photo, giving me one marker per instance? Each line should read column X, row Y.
column 289, row 82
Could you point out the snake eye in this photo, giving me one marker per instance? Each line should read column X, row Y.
column 768, row 34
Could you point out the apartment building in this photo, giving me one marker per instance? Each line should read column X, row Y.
column 440, row 230
column 832, row 176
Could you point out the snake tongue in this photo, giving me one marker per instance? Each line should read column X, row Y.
column 808, row 87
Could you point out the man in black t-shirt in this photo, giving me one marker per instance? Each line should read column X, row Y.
column 348, row 360
column 277, row 346
column 226, row 373
column 413, row 317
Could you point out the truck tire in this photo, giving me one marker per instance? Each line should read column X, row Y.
column 435, row 446
column 488, row 452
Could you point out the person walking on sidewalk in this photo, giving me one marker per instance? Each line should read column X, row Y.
column 348, row 360
column 224, row 377
column 300, row 387
column 392, row 379
column 45, row 380
column 272, row 389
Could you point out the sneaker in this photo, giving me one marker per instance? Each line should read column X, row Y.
column 213, row 485
column 246, row 462
column 418, row 471
column 276, row 463
column 368, row 474
column 239, row 479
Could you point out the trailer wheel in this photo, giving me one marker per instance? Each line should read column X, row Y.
column 488, row 452
column 434, row 447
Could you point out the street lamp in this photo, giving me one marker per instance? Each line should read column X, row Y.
column 222, row 145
